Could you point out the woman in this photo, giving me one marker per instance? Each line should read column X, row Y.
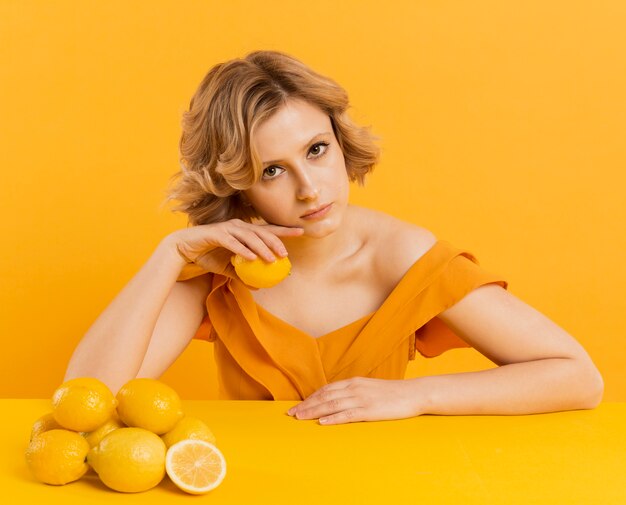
column 268, row 152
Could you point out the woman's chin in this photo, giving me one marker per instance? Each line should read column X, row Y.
column 321, row 229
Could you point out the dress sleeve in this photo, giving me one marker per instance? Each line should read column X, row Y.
column 189, row 271
column 461, row 276
column 205, row 330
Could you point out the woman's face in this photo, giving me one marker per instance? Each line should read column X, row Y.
column 303, row 170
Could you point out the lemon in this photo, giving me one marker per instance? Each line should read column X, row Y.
column 188, row 427
column 129, row 460
column 45, row 423
column 195, row 466
column 83, row 404
column 97, row 435
column 259, row 273
column 149, row 404
column 57, row 456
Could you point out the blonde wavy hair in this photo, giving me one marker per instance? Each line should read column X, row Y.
column 217, row 157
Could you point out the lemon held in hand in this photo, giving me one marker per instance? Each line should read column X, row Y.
column 149, row 404
column 83, row 404
column 129, row 460
column 259, row 273
column 57, row 456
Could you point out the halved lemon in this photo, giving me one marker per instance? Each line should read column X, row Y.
column 195, row 466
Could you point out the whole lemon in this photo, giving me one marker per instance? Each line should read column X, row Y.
column 188, row 427
column 46, row 422
column 95, row 436
column 57, row 456
column 83, row 404
column 129, row 460
column 258, row 273
column 149, row 404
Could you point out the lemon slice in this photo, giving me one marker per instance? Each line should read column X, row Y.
column 195, row 466
column 259, row 273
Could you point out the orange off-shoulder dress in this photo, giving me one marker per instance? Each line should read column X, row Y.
column 262, row 357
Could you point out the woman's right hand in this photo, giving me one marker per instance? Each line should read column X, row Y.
column 211, row 246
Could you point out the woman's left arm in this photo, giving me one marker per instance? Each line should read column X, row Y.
column 541, row 369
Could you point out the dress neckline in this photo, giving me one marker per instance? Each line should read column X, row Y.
column 265, row 311
column 361, row 319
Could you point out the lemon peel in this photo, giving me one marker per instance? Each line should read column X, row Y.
column 129, row 460
column 57, row 456
column 259, row 273
column 188, row 427
column 149, row 404
column 83, row 404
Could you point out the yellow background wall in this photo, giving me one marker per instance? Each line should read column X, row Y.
column 508, row 120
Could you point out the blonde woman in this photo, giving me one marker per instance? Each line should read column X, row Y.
column 268, row 152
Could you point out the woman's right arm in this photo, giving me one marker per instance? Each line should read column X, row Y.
column 114, row 347
column 154, row 308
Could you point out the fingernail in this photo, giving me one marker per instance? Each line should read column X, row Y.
column 290, row 411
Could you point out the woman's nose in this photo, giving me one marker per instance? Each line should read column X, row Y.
column 307, row 189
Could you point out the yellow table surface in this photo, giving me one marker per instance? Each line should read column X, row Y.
column 564, row 458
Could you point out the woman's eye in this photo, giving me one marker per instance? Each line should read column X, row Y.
column 271, row 172
column 318, row 146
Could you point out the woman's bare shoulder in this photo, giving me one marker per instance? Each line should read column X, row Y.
column 397, row 245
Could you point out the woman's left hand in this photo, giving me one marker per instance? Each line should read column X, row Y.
column 359, row 399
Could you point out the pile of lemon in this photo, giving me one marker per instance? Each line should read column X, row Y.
column 131, row 440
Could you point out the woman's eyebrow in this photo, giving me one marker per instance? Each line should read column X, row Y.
column 303, row 148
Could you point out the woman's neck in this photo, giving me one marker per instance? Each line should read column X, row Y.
column 312, row 255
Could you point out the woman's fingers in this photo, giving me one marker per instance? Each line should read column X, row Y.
column 211, row 245
column 233, row 245
column 263, row 239
column 271, row 235
column 282, row 230
column 274, row 243
column 255, row 243
column 217, row 261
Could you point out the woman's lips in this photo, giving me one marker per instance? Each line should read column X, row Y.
column 320, row 213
